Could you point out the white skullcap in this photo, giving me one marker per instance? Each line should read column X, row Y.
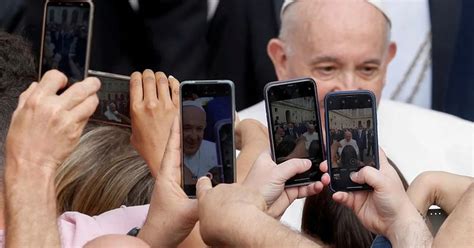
column 376, row 3
column 193, row 104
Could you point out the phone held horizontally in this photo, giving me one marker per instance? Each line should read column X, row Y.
column 294, row 125
column 207, row 132
column 351, row 136
column 66, row 38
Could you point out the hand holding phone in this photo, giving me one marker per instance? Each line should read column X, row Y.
column 351, row 131
column 294, row 125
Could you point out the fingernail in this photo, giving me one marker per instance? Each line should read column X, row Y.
column 171, row 77
column 353, row 175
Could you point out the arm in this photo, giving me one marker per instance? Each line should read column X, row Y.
column 440, row 188
column 31, row 162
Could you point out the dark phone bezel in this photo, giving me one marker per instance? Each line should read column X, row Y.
column 99, row 75
column 341, row 95
column 89, row 32
column 270, row 123
column 232, row 96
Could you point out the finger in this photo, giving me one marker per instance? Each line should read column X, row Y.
column 292, row 167
column 26, row 94
column 149, row 85
column 85, row 109
column 171, row 159
column 309, row 190
column 368, row 175
column 136, row 88
column 323, row 166
column 202, row 186
column 174, row 85
column 51, row 82
column 344, row 198
column 78, row 92
column 325, row 179
column 163, row 88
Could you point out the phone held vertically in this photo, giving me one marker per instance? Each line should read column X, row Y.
column 207, row 132
column 114, row 99
column 351, row 136
column 66, row 38
column 294, row 125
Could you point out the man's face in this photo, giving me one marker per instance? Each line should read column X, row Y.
column 348, row 136
column 311, row 129
column 193, row 129
column 343, row 46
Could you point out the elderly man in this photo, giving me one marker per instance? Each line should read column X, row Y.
column 199, row 155
column 310, row 135
column 348, row 141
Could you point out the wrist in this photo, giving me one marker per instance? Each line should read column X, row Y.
column 409, row 229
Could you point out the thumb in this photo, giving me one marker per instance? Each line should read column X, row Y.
column 290, row 168
column 368, row 175
column 171, row 159
column 202, row 186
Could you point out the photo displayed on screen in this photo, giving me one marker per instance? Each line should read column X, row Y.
column 352, row 141
column 65, row 39
column 295, row 129
column 207, row 139
column 114, row 101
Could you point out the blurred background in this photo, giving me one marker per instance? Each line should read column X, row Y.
column 227, row 39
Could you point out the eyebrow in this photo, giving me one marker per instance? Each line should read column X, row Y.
column 322, row 59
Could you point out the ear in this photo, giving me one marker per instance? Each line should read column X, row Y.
column 392, row 51
column 276, row 52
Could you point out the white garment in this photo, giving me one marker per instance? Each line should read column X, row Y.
column 111, row 116
column 309, row 138
column 344, row 143
column 203, row 160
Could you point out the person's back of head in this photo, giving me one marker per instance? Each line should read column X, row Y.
column 332, row 223
column 17, row 71
column 349, row 157
column 104, row 172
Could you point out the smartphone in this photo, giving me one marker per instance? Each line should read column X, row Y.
column 351, row 136
column 114, row 99
column 66, row 38
column 207, row 132
column 294, row 125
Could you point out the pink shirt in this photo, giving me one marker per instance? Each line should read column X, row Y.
column 77, row 229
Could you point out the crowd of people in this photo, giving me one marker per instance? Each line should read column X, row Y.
column 54, row 162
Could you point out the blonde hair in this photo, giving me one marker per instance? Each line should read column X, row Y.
column 104, row 172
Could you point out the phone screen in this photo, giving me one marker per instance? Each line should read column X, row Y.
column 352, row 136
column 114, row 99
column 292, row 108
column 65, row 39
column 207, row 117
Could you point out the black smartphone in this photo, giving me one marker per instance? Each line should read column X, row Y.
column 207, row 132
column 66, row 38
column 294, row 125
column 114, row 99
column 351, row 136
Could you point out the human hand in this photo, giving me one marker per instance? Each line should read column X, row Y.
column 46, row 127
column 250, row 132
column 387, row 209
column 269, row 179
column 172, row 214
column 438, row 187
column 223, row 210
column 152, row 111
